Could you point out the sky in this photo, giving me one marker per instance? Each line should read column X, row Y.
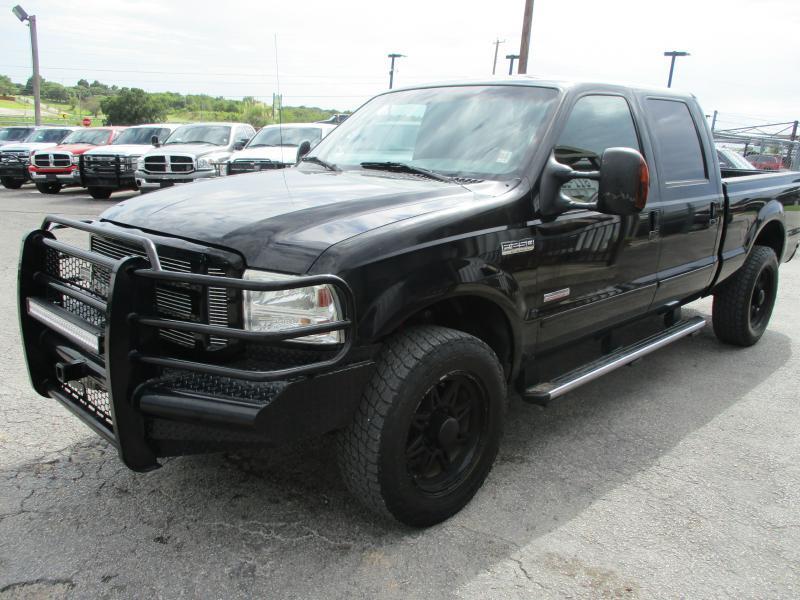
column 744, row 63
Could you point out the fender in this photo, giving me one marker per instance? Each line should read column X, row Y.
column 410, row 295
column 771, row 212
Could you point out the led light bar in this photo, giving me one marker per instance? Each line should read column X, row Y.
column 52, row 316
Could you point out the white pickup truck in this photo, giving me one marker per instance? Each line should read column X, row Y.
column 113, row 167
column 277, row 147
column 191, row 152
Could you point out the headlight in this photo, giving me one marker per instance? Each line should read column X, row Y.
column 140, row 163
column 76, row 160
column 130, row 162
column 296, row 307
column 205, row 163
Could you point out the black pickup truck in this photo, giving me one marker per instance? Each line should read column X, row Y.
column 424, row 263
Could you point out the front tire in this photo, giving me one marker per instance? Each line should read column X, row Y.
column 428, row 428
column 12, row 183
column 100, row 193
column 743, row 304
column 48, row 188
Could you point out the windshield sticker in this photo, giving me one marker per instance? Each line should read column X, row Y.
column 503, row 156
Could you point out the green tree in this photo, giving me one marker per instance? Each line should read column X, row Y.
column 7, row 87
column 133, row 107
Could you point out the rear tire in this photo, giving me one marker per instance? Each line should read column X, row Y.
column 100, row 193
column 48, row 188
column 12, row 183
column 428, row 428
column 743, row 304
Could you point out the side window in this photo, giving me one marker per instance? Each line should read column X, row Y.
column 595, row 123
column 680, row 155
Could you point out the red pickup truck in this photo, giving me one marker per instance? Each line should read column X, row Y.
column 53, row 168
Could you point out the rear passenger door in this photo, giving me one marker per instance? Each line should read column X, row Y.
column 687, row 212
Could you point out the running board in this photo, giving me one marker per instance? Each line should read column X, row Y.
column 542, row 393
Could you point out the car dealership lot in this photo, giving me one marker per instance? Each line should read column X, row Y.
column 678, row 476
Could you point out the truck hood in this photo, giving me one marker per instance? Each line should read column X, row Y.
column 184, row 149
column 29, row 146
column 282, row 154
column 73, row 148
column 283, row 220
column 121, row 149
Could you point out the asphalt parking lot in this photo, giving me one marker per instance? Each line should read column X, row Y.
column 676, row 477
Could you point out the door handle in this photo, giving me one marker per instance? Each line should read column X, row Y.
column 655, row 224
column 713, row 214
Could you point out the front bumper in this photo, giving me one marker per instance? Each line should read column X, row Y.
column 157, row 178
column 114, row 175
column 72, row 177
column 113, row 374
column 16, row 170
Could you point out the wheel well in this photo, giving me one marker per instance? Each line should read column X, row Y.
column 476, row 316
column 772, row 236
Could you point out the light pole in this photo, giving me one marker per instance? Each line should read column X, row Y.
column 673, row 54
column 512, row 58
column 393, row 56
column 31, row 19
column 497, row 43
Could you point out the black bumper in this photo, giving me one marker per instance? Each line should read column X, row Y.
column 111, row 176
column 118, row 380
column 17, row 171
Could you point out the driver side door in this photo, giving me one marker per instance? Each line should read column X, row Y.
column 595, row 270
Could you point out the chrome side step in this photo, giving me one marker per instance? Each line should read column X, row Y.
column 542, row 393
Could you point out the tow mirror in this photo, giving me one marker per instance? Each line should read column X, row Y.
column 303, row 149
column 623, row 179
column 240, row 144
column 155, row 141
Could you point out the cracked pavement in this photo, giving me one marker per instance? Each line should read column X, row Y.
column 676, row 477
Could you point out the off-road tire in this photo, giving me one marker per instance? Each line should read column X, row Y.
column 48, row 188
column 12, row 183
column 736, row 318
column 372, row 449
column 100, row 193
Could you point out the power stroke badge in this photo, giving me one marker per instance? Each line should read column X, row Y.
column 517, row 247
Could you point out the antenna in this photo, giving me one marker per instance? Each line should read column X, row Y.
column 280, row 97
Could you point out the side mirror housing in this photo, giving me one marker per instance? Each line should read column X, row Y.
column 240, row 144
column 623, row 179
column 303, row 149
column 155, row 141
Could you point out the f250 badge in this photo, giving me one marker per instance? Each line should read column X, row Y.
column 517, row 247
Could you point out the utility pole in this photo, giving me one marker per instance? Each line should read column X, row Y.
column 393, row 56
column 673, row 54
column 20, row 13
column 525, row 44
column 714, row 121
column 512, row 58
column 497, row 43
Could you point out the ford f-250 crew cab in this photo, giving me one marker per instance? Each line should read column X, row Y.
column 394, row 289
column 15, row 158
column 53, row 168
column 277, row 147
column 192, row 152
column 113, row 167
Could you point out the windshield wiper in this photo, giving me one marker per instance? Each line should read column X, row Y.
column 399, row 167
column 262, row 145
column 318, row 161
column 193, row 142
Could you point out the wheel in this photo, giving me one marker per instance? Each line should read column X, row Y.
column 12, row 183
column 49, row 187
column 428, row 428
column 743, row 304
column 100, row 193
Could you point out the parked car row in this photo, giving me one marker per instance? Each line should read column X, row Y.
column 147, row 157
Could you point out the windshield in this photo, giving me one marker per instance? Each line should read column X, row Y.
column 217, row 135
column 14, row 134
column 485, row 132
column 141, row 135
column 735, row 160
column 289, row 136
column 47, row 136
column 95, row 137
